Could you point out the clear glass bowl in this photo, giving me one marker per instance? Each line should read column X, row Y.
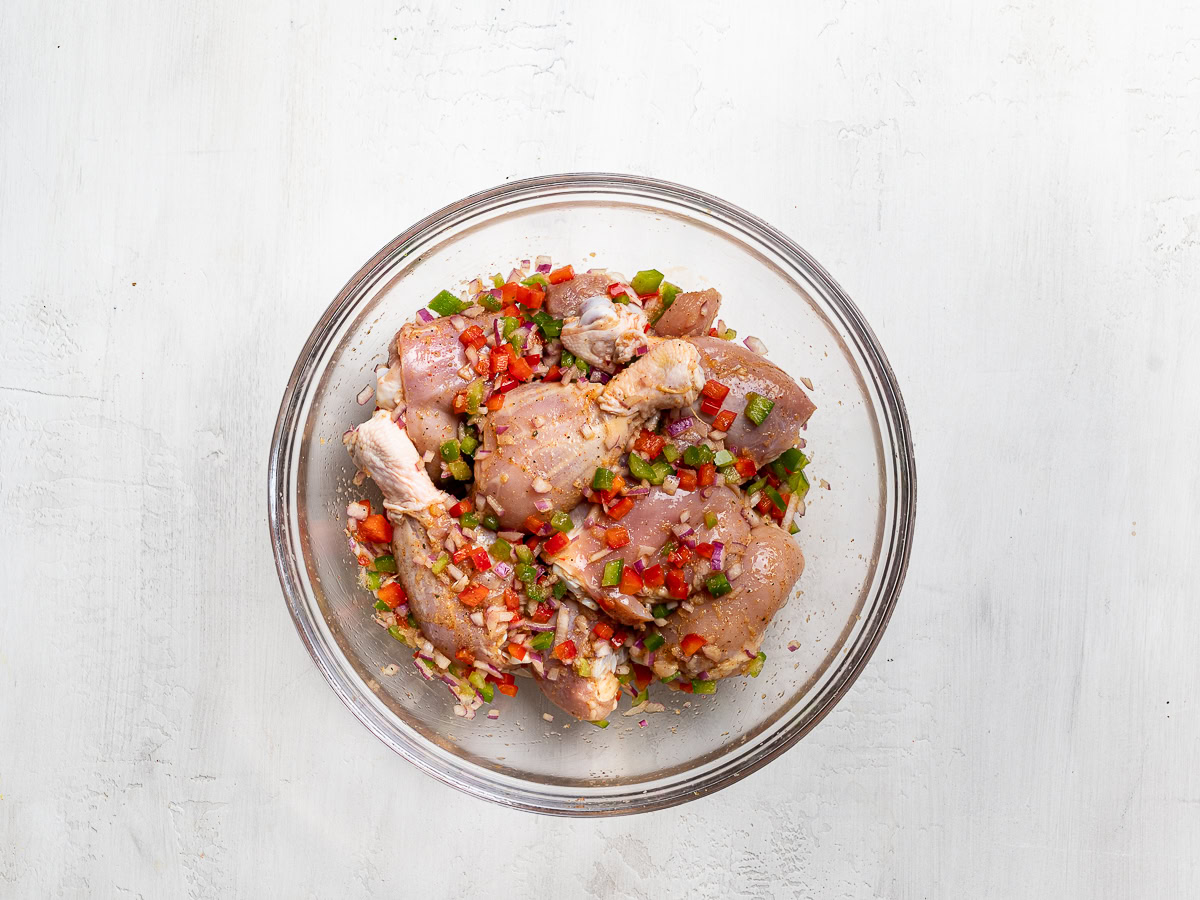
column 856, row 535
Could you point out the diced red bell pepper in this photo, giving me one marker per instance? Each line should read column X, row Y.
column 619, row 509
column 745, row 466
column 542, row 614
column 710, row 407
column 494, row 402
column 520, row 369
column 619, row 637
column 533, row 524
column 773, row 480
column 393, row 595
column 498, row 361
column 704, row 549
column 687, row 479
column 684, row 684
column 556, row 543
column 714, row 390
column 558, row 276
column 473, row 595
column 616, row 289
column 473, row 336
column 515, row 293
column 691, row 643
column 461, row 507
column 536, row 298
column 510, row 690
column 649, row 444
column 616, row 537
column 481, row 366
column 517, row 651
column 508, row 384
column 367, row 503
column 642, row 676
column 375, row 528
column 631, row 581
column 618, row 485
column 680, row 556
column 480, row 559
column 706, row 474
column 511, row 311
column 764, row 506
column 464, row 656
column 554, row 373
column 724, row 421
column 653, row 576
column 459, row 556
column 511, row 601
column 677, row 587
column 603, row 631
column 564, row 651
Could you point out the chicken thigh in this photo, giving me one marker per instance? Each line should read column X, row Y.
column 649, row 525
column 549, row 438
column 690, row 314
column 417, row 509
column 594, row 695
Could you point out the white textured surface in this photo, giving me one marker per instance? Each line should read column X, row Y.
column 1010, row 192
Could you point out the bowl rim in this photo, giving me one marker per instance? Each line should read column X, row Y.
column 899, row 549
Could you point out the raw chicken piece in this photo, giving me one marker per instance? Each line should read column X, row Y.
column 606, row 333
column 567, row 298
column 422, row 376
column 690, row 315
column 591, row 697
column 418, row 510
column 742, row 371
column 734, row 624
column 549, row 438
column 649, row 524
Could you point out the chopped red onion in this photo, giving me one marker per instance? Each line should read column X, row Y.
column 450, row 680
column 510, row 536
column 490, row 669
column 517, row 275
column 538, row 626
column 502, row 569
column 637, row 492
column 705, row 493
column 675, row 429
column 689, row 542
column 642, row 350
column 599, row 377
column 458, row 322
column 639, row 566
column 357, row 511
column 543, row 504
column 475, row 286
column 703, row 676
column 365, row 394
column 524, row 264
column 500, row 429
column 718, row 553
column 596, row 271
column 496, row 293
column 425, row 315
column 682, row 530
column 756, row 345
column 424, row 670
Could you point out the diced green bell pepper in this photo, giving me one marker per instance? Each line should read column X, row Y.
column 542, row 641
column 703, row 687
column 653, row 641
column 611, row 577
column 758, row 407
column 385, row 563
column 639, row 468
column 446, row 304
column 723, row 458
column 670, row 452
column 469, row 520
column 439, row 565
column 718, row 585
column 449, row 451
column 560, row 590
column 459, row 470
column 756, row 665
column 561, row 521
column 501, row 550
column 602, row 480
column 490, row 522
column 697, row 455
column 646, row 281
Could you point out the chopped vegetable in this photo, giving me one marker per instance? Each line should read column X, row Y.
column 677, row 588
column 473, row 337
column 394, row 631
column 557, row 543
column 439, row 565
column 756, row 665
column 706, row 475
column 649, row 444
column 670, row 452
column 535, row 592
column 490, row 522
column 646, row 281
column 602, row 480
column 524, row 554
column 660, row 611
column 561, row 521
column 550, row 326
column 564, row 651
column 703, row 687
column 639, row 468
column 715, row 390
column 533, row 524
column 459, row 470
column 653, row 576
column 653, row 641
column 617, row 536
column 793, row 460
column 508, row 690
column 469, row 520
column 602, row 630
column 631, row 581
column 724, row 420
column 620, row 509
column 480, row 559
column 611, row 576
column 697, row 455
column 525, row 573
column 560, row 590
column 542, row 641
column 501, row 549
column 474, row 396
column 473, row 595
column 718, row 585
column 446, row 304
column 758, row 407
column 603, row 723
column 450, row 451
column 775, row 498
column 691, row 643
column 558, row 276
column 687, row 479
column 392, row 595
column 798, row 482
column 723, row 458
column 374, row 580
column 710, row 519
column 469, row 444
column 376, row 529
column 385, row 563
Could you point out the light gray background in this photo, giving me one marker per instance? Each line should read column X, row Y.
column 1011, row 192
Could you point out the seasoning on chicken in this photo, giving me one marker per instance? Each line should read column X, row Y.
column 690, row 314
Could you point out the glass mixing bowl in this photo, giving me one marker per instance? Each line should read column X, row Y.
column 856, row 535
